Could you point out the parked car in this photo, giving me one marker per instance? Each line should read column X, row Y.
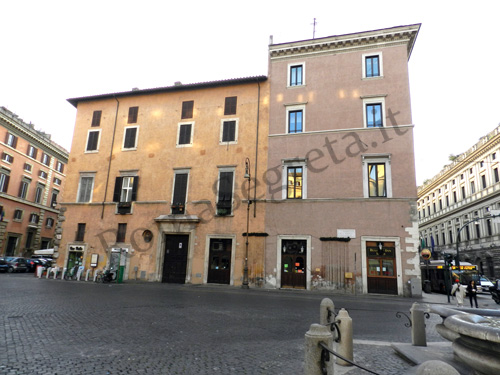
column 485, row 284
column 17, row 264
column 4, row 265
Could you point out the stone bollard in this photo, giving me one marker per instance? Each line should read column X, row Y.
column 417, row 326
column 55, row 270
column 325, row 307
column 317, row 334
column 48, row 272
column 39, row 271
column 79, row 273
column 64, row 273
column 87, row 275
column 346, row 344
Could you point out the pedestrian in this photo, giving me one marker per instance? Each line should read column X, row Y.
column 472, row 290
column 459, row 291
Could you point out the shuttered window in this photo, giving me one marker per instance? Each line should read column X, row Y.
column 229, row 131
column 230, row 105
column 187, row 109
column 130, row 138
column 185, row 134
column 96, row 118
column 180, row 192
column 225, row 196
column 132, row 115
column 93, row 140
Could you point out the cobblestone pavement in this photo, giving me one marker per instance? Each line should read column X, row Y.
column 68, row 327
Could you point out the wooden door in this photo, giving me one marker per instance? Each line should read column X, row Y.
column 219, row 266
column 293, row 264
column 175, row 262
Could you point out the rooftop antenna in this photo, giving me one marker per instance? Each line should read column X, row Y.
column 314, row 28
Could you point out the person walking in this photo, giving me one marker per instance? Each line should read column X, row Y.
column 459, row 291
column 472, row 290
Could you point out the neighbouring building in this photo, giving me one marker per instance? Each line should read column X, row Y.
column 341, row 199
column 457, row 204
column 32, row 174
column 309, row 171
column 159, row 179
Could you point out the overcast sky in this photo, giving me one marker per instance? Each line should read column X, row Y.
column 55, row 50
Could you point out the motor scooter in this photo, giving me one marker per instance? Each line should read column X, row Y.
column 108, row 276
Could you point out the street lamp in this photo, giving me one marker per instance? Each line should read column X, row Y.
column 244, row 285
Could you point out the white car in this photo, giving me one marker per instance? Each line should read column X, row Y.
column 485, row 284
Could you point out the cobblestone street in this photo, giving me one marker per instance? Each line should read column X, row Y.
column 67, row 327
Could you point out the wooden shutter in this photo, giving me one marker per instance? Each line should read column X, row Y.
column 92, row 141
column 187, row 109
column 180, row 188
column 229, row 131
column 135, row 185
column 230, row 105
column 96, row 118
column 226, row 186
column 118, row 189
column 130, row 135
column 185, row 134
column 132, row 115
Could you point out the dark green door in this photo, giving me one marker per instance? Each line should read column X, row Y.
column 175, row 262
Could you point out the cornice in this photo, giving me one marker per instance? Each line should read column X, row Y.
column 10, row 121
column 348, row 43
column 485, row 144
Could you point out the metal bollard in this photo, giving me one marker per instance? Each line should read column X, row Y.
column 325, row 311
column 346, row 344
column 417, row 326
column 317, row 334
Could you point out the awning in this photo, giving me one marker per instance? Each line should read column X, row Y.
column 46, row 252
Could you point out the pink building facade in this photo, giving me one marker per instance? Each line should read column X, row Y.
column 341, row 190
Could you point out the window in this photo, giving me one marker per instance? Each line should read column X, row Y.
column 57, row 181
column 225, row 193
column 93, row 140
column 49, row 223
column 377, row 181
column 28, row 167
column 85, row 188
column 447, row 201
column 34, row 218
column 295, row 121
column 294, row 182
column 187, row 109
column 454, row 197
column 488, row 227
column 125, row 189
column 179, row 194
column 32, row 152
column 494, row 156
column 184, row 134
column 495, row 175
column 23, row 189
column 53, row 199
column 478, row 230
column 483, row 181
column 133, row 112
column 7, row 158
column 39, row 193
column 46, row 159
column 96, row 118
column 296, row 75
column 130, row 138
column 374, row 115
column 11, row 140
column 372, row 65
column 472, row 187
column 4, row 180
column 230, row 105
column 120, row 234
column 42, row 174
column 229, row 131
column 80, row 232
column 59, row 167
column 374, row 112
column 463, row 192
column 18, row 215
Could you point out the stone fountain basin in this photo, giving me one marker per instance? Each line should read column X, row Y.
column 478, row 341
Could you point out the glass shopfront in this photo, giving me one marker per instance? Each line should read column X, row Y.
column 381, row 266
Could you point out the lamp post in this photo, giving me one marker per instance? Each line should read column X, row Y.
column 244, row 285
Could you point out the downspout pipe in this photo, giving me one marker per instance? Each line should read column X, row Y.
column 256, row 152
column 110, row 158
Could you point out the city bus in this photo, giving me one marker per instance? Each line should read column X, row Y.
column 434, row 276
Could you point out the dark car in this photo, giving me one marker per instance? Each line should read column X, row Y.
column 17, row 264
column 4, row 265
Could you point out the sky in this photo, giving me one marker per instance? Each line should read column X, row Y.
column 55, row 50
